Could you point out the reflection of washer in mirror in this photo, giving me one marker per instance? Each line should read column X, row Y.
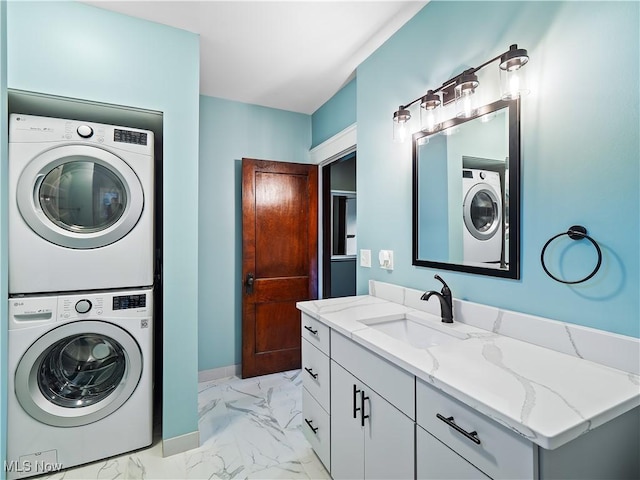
column 482, row 214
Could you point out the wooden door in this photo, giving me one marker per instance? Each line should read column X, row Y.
column 279, row 261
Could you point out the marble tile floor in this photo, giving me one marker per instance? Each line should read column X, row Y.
column 249, row 429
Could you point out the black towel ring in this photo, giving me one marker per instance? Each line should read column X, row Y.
column 577, row 232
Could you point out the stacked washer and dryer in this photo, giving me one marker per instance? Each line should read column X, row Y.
column 81, row 270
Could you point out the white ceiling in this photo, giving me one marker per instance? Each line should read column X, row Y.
column 292, row 55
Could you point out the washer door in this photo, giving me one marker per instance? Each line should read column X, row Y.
column 80, row 197
column 481, row 211
column 78, row 373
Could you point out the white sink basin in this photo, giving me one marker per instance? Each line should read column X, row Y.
column 416, row 331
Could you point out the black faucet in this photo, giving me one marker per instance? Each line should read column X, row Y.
column 446, row 302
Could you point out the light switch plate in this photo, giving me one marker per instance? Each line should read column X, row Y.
column 365, row 258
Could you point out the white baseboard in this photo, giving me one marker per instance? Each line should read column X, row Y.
column 221, row 372
column 182, row 443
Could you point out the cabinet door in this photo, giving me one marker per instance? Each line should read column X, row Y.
column 436, row 461
column 389, row 441
column 347, row 437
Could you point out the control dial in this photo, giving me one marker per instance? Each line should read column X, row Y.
column 85, row 131
column 83, row 306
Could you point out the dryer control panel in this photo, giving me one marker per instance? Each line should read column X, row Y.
column 35, row 129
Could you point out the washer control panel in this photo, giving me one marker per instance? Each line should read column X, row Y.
column 123, row 302
column 31, row 311
column 85, row 131
column 83, row 306
column 79, row 306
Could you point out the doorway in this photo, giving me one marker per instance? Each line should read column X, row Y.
column 339, row 227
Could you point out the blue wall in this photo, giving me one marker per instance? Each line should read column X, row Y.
column 230, row 131
column 580, row 143
column 335, row 115
column 3, row 233
column 75, row 50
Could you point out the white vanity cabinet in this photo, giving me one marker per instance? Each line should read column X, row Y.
column 367, row 417
column 315, row 373
column 370, row 437
column 456, row 441
column 478, row 442
column 436, row 461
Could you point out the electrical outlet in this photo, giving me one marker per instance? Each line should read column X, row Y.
column 386, row 259
column 365, row 258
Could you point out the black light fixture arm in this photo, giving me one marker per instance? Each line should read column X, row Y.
column 469, row 71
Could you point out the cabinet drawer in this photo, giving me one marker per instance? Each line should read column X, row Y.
column 391, row 382
column 501, row 453
column 315, row 373
column 315, row 426
column 316, row 332
column 436, row 461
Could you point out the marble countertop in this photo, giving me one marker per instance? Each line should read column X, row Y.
column 547, row 396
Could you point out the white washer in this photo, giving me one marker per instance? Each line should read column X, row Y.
column 80, row 379
column 482, row 215
column 81, row 209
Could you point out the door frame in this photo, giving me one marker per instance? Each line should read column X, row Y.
column 336, row 147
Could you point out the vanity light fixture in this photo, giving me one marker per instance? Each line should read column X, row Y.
column 400, row 119
column 512, row 78
column 429, row 111
column 461, row 89
column 466, row 85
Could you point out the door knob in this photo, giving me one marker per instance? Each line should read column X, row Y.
column 249, row 284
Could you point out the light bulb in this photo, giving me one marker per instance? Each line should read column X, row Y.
column 514, row 84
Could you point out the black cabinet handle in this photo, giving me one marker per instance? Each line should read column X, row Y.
column 313, row 332
column 310, row 372
column 473, row 436
column 313, row 429
column 362, row 415
column 356, row 409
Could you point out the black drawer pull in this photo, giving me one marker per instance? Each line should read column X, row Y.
column 313, row 429
column 355, row 408
column 362, row 415
column 473, row 436
column 313, row 332
column 310, row 372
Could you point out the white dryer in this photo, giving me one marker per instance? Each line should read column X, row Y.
column 80, row 379
column 81, row 211
column 482, row 216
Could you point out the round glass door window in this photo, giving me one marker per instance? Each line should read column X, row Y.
column 82, row 196
column 81, row 370
column 481, row 210
column 78, row 373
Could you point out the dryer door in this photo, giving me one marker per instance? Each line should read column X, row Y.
column 78, row 373
column 481, row 211
column 79, row 196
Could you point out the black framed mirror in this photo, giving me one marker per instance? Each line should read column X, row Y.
column 466, row 193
